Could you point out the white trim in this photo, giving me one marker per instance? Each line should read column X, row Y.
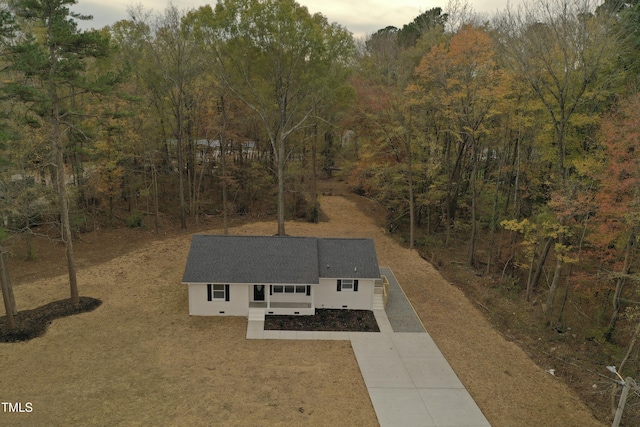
column 349, row 288
column 218, row 291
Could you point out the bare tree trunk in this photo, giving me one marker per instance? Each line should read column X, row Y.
column 198, row 193
column 448, row 224
column 553, row 289
column 7, row 294
column 183, row 218
column 619, row 287
column 180, row 131
column 29, row 237
column 314, row 179
column 493, row 226
column 570, row 273
column 474, row 208
column 527, row 294
column 194, row 187
column 280, row 160
column 4, row 276
column 474, row 228
column 66, row 224
column 62, row 193
column 154, row 174
column 531, row 284
column 412, row 208
column 223, row 158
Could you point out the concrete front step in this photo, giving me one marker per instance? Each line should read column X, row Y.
column 256, row 314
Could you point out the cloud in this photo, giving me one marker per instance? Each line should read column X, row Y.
column 368, row 16
column 103, row 13
column 361, row 17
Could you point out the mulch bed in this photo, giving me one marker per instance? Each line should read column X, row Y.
column 336, row 320
column 33, row 323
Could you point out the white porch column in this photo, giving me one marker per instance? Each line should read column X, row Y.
column 268, row 295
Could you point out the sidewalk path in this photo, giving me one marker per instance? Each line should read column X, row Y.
column 408, row 379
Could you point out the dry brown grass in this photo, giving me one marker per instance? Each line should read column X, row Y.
column 140, row 359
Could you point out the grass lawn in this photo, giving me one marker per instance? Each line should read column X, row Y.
column 140, row 359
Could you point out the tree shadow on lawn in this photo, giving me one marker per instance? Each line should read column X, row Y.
column 325, row 320
column 33, row 323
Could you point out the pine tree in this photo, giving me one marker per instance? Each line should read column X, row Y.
column 49, row 56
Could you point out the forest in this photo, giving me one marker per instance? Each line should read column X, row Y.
column 506, row 147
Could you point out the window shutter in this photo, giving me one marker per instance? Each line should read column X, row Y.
column 355, row 286
column 226, row 292
column 308, row 290
column 339, row 285
column 209, row 292
column 270, row 289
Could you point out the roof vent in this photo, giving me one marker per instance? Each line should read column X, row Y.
column 355, row 268
column 327, row 265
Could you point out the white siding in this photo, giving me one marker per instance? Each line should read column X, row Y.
column 326, row 295
column 238, row 304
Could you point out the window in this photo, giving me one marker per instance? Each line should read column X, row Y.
column 348, row 285
column 290, row 289
column 217, row 292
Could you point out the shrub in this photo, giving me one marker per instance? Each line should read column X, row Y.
column 135, row 219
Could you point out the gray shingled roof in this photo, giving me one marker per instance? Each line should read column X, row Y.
column 348, row 259
column 275, row 259
column 251, row 259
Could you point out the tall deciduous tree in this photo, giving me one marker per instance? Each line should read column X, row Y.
column 279, row 60
column 50, row 56
column 391, row 121
column 460, row 81
column 568, row 57
column 618, row 199
column 174, row 62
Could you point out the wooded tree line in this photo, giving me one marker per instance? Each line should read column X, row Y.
column 516, row 133
column 520, row 131
column 227, row 110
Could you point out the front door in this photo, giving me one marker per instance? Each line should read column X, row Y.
column 258, row 292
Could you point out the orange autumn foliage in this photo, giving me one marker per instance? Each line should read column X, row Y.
column 618, row 200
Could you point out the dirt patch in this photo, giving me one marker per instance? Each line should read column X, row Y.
column 140, row 359
column 33, row 323
column 325, row 320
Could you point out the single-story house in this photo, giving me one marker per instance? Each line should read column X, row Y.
column 228, row 275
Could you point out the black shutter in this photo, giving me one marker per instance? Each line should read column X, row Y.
column 355, row 286
column 339, row 285
column 270, row 289
column 308, row 290
column 226, row 292
column 209, row 292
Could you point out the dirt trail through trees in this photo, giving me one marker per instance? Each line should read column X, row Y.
column 140, row 358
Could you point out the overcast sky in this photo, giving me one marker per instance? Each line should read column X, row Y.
column 361, row 17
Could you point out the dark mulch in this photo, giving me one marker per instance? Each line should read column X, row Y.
column 325, row 320
column 33, row 323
